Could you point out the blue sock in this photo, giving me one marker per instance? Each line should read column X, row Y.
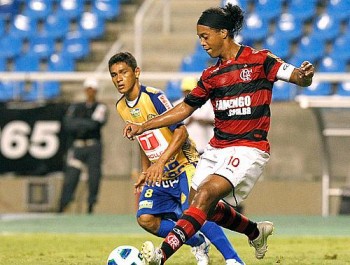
column 218, row 238
column 167, row 225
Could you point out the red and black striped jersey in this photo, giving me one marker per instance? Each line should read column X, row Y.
column 240, row 91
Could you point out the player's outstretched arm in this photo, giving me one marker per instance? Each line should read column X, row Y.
column 303, row 75
column 173, row 116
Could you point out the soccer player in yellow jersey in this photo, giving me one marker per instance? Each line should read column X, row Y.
column 166, row 152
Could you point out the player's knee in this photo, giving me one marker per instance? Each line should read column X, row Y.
column 203, row 199
column 149, row 222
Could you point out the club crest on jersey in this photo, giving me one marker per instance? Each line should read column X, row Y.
column 151, row 116
column 135, row 112
column 246, row 74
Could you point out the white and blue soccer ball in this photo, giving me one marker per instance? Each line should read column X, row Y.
column 125, row 255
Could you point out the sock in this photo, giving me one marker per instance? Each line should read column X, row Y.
column 218, row 238
column 166, row 225
column 189, row 224
column 227, row 217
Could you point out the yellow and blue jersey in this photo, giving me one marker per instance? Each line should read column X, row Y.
column 150, row 103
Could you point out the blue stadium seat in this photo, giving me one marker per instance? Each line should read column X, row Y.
column 283, row 91
column 27, row 63
column 278, row 45
column 343, row 89
column 60, row 63
column 23, row 26
column 42, row 46
column 173, row 90
column 91, row 25
column 13, row 44
column 332, row 65
column 310, row 48
column 326, row 27
column 76, row 45
column 8, row 9
column 3, row 64
column 35, row 91
column 7, row 92
column 38, row 9
column 194, row 63
column 339, row 9
column 241, row 3
column 289, row 27
column 107, row 9
column 317, row 89
column 340, row 48
column 55, row 26
column 2, row 25
column 256, row 28
column 72, row 9
column 301, row 9
column 268, row 9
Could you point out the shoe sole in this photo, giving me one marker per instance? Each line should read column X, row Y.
column 147, row 252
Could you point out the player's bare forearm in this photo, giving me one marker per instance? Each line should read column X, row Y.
column 303, row 75
column 173, row 116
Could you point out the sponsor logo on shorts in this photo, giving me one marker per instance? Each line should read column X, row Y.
column 145, row 204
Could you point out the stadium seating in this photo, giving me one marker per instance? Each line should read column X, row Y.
column 59, row 62
column 13, row 44
column 107, row 9
column 29, row 62
column 256, row 28
column 332, row 65
column 340, row 49
column 38, row 9
column 339, row 9
column 42, row 46
column 268, row 9
column 194, row 63
column 173, row 90
column 279, row 45
column 311, row 48
column 302, row 9
column 76, row 45
column 55, row 26
column 343, row 89
column 23, row 26
column 91, row 25
column 34, row 91
column 289, row 26
column 317, row 89
column 72, row 9
column 326, row 27
column 283, row 91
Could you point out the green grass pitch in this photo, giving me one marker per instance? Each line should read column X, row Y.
column 88, row 240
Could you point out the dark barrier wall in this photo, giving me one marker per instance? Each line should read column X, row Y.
column 32, row 140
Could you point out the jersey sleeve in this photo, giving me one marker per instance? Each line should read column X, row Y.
column 162, row 104
column 198, row 96
column 272, row 64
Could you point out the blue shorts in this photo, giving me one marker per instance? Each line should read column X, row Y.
column 168, row 199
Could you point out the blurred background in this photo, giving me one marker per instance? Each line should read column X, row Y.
column 49, row 47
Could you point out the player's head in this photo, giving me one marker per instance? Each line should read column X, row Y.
column 217, row 25
column 124, row 72
column 91, row 87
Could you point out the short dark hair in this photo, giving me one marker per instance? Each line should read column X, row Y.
column 125, row 57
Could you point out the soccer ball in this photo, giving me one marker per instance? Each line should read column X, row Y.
column 125, row 255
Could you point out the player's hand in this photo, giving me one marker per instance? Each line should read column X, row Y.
column 306, row 72
column 154, row 173
column 140, row 183
column 131, row 130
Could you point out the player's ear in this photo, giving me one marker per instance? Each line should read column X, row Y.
column 224, row 33
column 137, row 72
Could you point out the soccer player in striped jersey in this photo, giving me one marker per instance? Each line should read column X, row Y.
column 239, row 87
column 168, row 153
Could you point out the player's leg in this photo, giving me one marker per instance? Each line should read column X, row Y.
column 217, row 237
